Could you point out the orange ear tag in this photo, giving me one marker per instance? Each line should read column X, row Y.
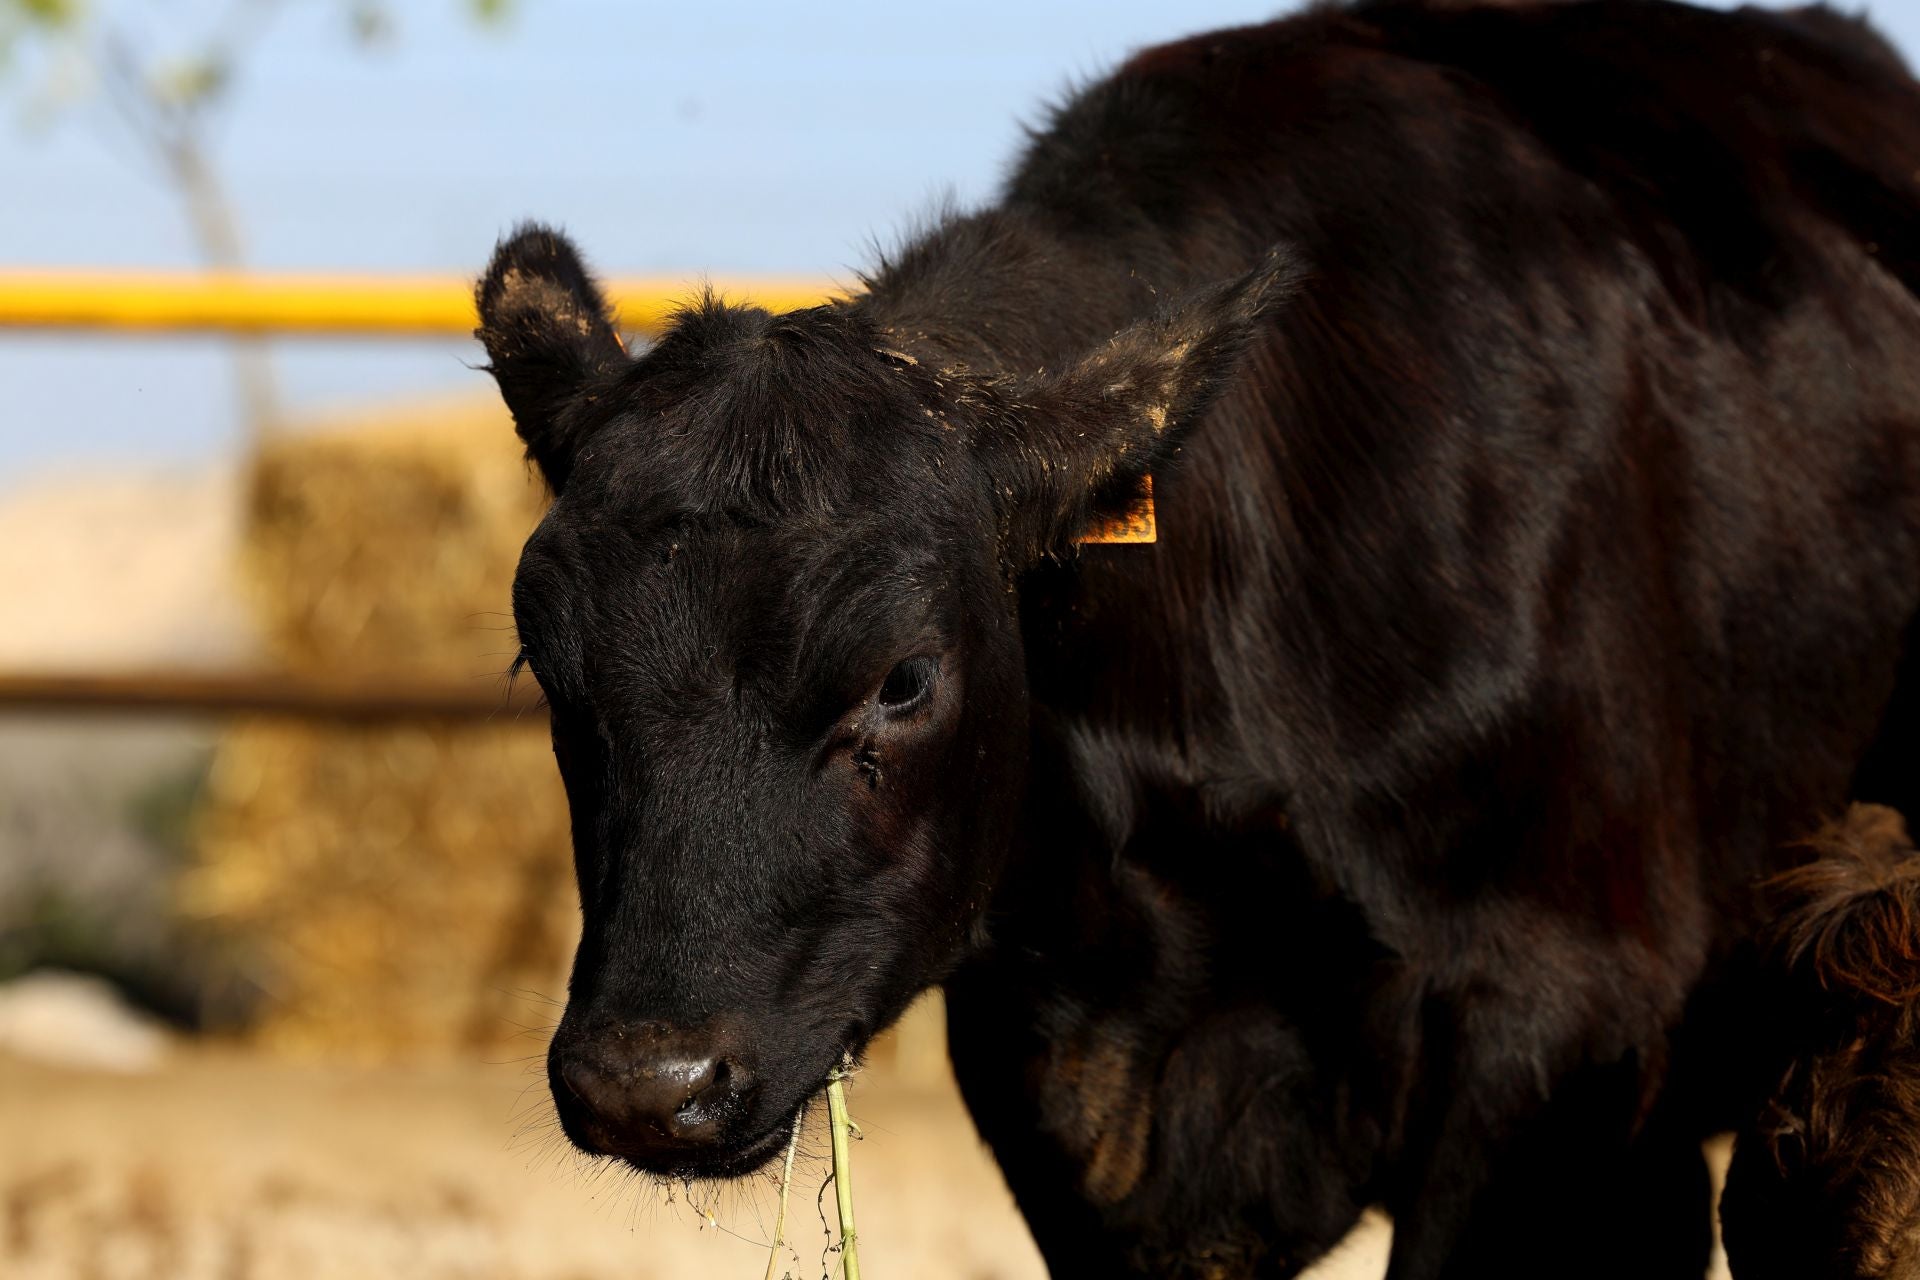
column 1135, row 524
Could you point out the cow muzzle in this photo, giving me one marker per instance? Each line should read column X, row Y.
column 667, row 1099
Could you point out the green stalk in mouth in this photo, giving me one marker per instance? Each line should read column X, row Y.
column 843, row 1171
column 839, row 1124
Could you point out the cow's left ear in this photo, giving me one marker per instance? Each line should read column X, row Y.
column 1067, row 441
column 550, row 338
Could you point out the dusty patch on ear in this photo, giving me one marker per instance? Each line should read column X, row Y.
column 548, row 335
column 521, row 294
column 537, row 292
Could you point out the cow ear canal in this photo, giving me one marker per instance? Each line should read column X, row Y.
column 908, row 685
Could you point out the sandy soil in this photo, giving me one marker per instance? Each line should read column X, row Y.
column 222, row 1166
column 225, row 1166
column 228, row 1167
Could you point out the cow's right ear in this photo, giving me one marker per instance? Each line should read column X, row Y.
column 549, row 338
column 1062, row 441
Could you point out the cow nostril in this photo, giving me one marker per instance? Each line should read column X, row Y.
column 584, row 1083
column 706, row 1086
column 721, row 1085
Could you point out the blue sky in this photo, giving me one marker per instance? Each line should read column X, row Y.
column 740, row 138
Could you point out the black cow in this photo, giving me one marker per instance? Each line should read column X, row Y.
column 1532, row 394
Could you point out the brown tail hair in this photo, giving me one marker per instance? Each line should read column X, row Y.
column 1850, row 919
column 1826, row 1179
column 1826, row 1175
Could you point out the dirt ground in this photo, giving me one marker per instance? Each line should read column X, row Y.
column 226, row 1166
column 231, row 1167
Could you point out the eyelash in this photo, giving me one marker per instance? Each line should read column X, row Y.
column 523, row 662
column 908, row 685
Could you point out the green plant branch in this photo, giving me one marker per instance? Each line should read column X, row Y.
column 843, row 1170
column 786, row 1185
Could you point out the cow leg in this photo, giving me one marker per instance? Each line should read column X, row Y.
column 1561, row 1190
column 996, row 1058
column 1214, row 1150
column 1592, row 1213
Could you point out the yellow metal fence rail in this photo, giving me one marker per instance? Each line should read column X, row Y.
column 133, row 302
column 250, row 304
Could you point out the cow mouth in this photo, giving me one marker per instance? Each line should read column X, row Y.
column 735, row 1160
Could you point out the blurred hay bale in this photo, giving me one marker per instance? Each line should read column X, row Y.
column 387, row 545
column 401, row 883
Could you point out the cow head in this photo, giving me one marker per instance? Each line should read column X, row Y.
column 772, row 610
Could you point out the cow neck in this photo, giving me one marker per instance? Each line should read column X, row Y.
column 1002, row 293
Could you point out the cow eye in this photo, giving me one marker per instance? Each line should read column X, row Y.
column 908, row 684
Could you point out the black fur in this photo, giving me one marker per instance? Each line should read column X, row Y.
column 1540, row 539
